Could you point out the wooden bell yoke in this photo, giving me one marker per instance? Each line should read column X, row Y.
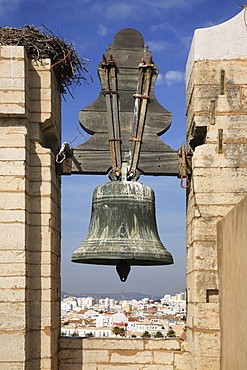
column 126, row 120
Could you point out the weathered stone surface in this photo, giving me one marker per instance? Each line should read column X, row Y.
column 95, row 343
column 181, row 361
column 160, row 357
column 162, row 344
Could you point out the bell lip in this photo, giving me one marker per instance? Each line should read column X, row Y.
column 132, row 261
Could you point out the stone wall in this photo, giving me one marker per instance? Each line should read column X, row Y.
column 232, row 236
column 29, row 213
column 122, row 354
column 217, row 135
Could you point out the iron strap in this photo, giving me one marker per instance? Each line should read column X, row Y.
column 140, row 110
column 111, row 95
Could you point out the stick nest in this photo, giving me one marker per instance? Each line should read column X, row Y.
column 41, row 43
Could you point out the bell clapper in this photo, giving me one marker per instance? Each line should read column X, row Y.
column 123, row 268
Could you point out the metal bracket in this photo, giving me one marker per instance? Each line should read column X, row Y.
column 184, row 166
column 64, row 159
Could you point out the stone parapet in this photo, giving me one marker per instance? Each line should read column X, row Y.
column 122, row 353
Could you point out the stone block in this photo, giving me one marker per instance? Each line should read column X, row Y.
column 212, row 159
column 13, row 183
column 13, row 168
column 204, row 256
column 6, row 269
column 37, row 94
column 190, row 312
column 97, row 356
column 37, row 65
column 12, row 295
column 219, row 181
column 41, row 205
column 13, row 200
column 131, row 356
column 207, row 343
column 211, row 210
column 14, row 237
column 45, row 188
column 13, row 316
column 199, row 282
column 206, row 363
column 109, row 343
column 182, row 361
column 7, row 215
column 12, row 96
column 162, row 357
column 12, row 67
column 41, row 160
column 70, row 343
column 16, row 341
column 12, row 365
column 65, row 366
column 7, row 83
column 206, row 316
column 13, row 108
column 117, row 367
column 203, row 96
column 218, row 198
column 40, row 79
column 202, row 224
column 230, row 101
column 162, row 344
column 14, row 256
column 12, row 282
column 13, row 154
column 71, row 356
column 40, row 173
column 12, row 52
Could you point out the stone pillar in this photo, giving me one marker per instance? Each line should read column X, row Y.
column 29, row 213
column 217, row 134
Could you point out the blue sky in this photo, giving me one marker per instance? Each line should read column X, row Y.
column 167, row 27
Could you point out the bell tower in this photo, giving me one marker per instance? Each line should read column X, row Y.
column 217, row 134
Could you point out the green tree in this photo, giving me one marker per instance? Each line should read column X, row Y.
column 133, row 336
column 171, row 333
column 89, row 335
column 75, row 334
column 116, row 330
column 158, row 334
column 122, row 332
column 146, row 334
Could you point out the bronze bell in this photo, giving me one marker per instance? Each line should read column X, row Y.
column 123, row 230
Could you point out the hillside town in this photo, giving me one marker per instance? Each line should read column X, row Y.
column 107, row 317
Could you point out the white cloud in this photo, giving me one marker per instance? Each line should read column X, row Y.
column 117, row 10
column 158, row 45
column 171, row 78
column 8, row 5
column 102, row 30
column 121, row 10
column 166, row 4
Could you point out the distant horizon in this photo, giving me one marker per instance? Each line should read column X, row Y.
column 98, row 295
